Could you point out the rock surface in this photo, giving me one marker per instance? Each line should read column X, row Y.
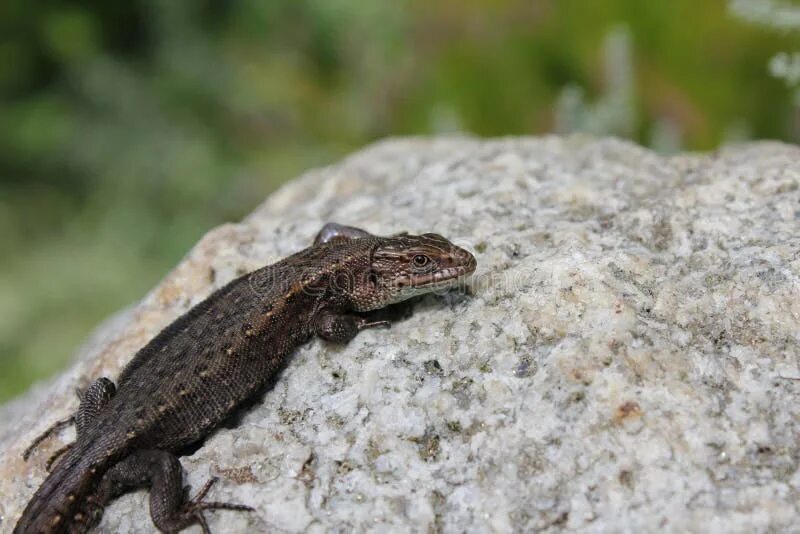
column 620, row 365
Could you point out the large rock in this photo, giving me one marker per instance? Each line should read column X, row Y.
column 623, row 362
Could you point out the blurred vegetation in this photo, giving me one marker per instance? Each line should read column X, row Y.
column 128, row 129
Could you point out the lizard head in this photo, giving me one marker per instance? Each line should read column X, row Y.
column 404, row 266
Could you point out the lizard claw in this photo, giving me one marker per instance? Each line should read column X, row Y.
column 374, row 324
column 194, row 508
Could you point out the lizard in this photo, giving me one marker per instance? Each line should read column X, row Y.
column 199, row 370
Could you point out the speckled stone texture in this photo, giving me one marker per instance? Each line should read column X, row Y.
column 622, row 363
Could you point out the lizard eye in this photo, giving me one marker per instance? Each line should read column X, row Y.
column 420, row 260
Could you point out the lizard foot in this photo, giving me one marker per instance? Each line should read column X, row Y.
column 55, row 427
column 193, row 510
column 56, row 455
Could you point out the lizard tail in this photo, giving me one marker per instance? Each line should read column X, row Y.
column 60, row 503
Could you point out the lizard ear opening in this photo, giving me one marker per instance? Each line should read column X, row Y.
column 373, row 278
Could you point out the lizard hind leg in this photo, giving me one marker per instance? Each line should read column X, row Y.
column 93, row 400
column 162, row 471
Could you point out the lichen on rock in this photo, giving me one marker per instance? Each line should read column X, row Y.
column 621, row 362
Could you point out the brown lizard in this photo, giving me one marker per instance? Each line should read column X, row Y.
column 195, row 373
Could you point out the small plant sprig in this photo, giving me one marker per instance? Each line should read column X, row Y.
column 782, row 16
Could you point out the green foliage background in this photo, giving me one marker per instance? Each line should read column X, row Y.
column 128, row 129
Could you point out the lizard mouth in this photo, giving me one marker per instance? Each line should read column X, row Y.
column 441, row 278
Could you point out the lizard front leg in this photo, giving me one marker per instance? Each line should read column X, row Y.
column 339, row 232
column 341, row 328
column 163, row 473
